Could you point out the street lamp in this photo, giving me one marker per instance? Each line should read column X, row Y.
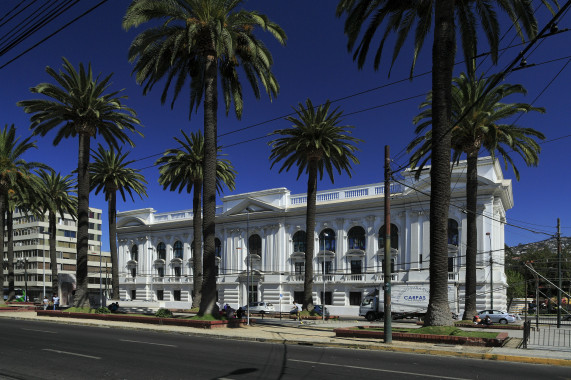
column 152, row 271
column 248, row 265
column 491, row 273
column 24, row 262
column 100, row 278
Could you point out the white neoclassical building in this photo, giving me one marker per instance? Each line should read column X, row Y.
column 155, row 255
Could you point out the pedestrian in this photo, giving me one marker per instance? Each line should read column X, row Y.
column 55, row 300
column 239, row 312
column 46, row 302
column 297, row 310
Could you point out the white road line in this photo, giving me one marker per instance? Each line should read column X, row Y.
column 71, row 353
column 379, row 370
column 155, row 344
column 44, row 331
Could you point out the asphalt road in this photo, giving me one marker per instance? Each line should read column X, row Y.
column 44, row 350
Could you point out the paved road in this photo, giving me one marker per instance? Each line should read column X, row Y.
column 40, row 350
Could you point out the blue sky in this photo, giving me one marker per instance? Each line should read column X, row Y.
column 314, row 64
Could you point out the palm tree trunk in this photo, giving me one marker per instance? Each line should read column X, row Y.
column 471, row 234
column 2, row 219
column 52, row 229
column 208, row 300
column 443, row 52
column 310, row 236
column 81, row 298
column 10, row 242
column 197, row 247
column 112, row 219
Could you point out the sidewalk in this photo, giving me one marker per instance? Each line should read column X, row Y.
column 320, row 333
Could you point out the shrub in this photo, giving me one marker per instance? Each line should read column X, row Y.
column 102, row 310
column 163, row 313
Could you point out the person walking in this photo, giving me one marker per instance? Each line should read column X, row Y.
column 297, row 310
column 55, row 300
column 46, row 302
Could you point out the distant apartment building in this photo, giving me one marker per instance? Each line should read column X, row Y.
column 32, row 264
column 261, row 243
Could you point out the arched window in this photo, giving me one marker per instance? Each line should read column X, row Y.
column 394, row 237
column 299, row 241
column 178, row 251
column 255, row 245
column 162, row 251
column 356, row 237
column 327, row 240
column 135, row 253
column 452, row 232
column 217, row 247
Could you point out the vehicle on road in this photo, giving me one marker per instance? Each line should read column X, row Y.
column 316, row 308
column 260, row 307
column 409, row 301
column 498, row 316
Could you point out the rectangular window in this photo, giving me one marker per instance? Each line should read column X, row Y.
column 328, row 297
column 299, row 267
column 451, row 264
column 69, row 234
column 161, row 271
column 160, row 295
column 298, row 297
column 356, row 266
column 133, row 294
column 176, row 295
column 328, row 267
column 177, row 271
column 420, row 259
column 133, row 272
column 355, row 298
column 253, row 293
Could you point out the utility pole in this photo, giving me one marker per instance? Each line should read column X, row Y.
column 387, row 269
column 491, row 274
column 560, row 284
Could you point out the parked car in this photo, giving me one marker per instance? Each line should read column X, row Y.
column 260, row 307
column 498, row 316
column 316, row 309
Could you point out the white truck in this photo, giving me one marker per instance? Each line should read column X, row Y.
column 407, row 301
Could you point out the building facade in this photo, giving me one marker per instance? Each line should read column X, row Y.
column 260, row 242
column 32, row 264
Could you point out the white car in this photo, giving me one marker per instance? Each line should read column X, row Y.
column 260, row 307
column 498, row 316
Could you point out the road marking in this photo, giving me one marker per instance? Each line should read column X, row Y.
column 71, row 353
column 379, row 370
column 44, row 331
column 155, row 344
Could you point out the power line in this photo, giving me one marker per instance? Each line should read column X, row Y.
column 53, row 34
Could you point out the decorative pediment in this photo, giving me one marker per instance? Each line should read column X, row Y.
column 381, row 253
column 253, row 205
column 298, row 255
column 355, row 252
column 130, row 221
column 327, row 254
column 160, row 262
column 176, row 261
column 132, row 263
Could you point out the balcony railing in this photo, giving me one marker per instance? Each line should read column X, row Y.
column 350, row 192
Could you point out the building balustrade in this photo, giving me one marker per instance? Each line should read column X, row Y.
column 349, row 192
column 453, row 276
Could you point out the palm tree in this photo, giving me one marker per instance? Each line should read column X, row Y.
column 201, row 40
column 110, row 173
column 82, row 108
column 481, row 101
column 182, row 168
column 316, row 143
column 400, row 17
column 14, row 174
column 55, row 197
